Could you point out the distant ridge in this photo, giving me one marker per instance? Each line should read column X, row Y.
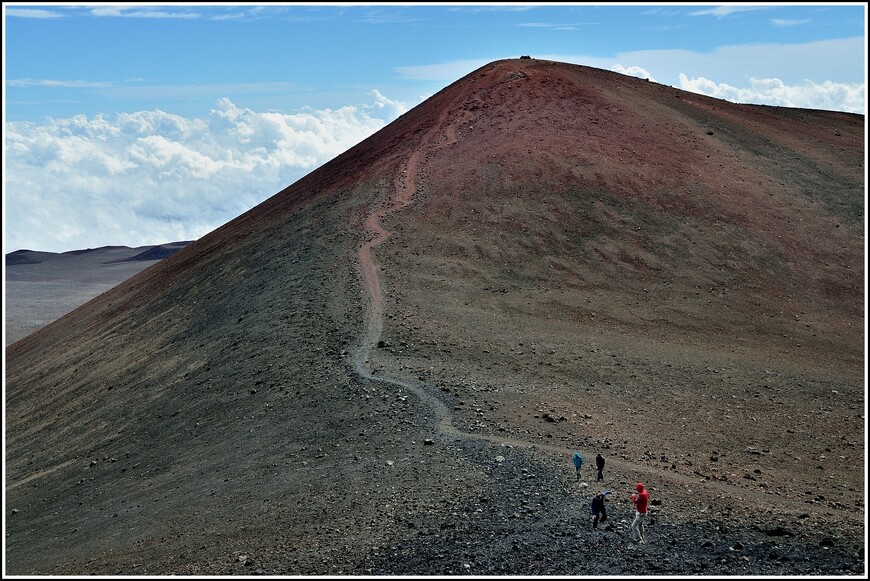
column 156, row 252
column 43, row 286
column 23, row 256
column 160, row 251
column 99, row 249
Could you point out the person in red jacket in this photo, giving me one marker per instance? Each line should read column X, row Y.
column 641, row 504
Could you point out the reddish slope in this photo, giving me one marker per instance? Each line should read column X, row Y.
column 719, row 214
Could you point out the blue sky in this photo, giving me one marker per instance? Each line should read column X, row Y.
column 141, row 124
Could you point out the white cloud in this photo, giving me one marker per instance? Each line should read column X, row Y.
column 633, row 71
column 472, row 9
column 391, row 109
column 563, row 26
column 830, row 96
column 808, row 95
column 728, row 10
column 152, row 177
column 140, row 12
column 32, row 13
column 56, row 83
column 380, row 16
column 230, row 16
column 785, row 23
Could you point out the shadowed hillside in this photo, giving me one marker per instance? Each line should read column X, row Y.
column 385, row 368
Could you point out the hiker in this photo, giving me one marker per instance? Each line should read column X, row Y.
column 578, row 462
column 597, row 508
column 641, row 503
column 599, row 462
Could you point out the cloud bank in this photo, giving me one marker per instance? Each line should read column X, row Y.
column 152, row 177
column 828, row 95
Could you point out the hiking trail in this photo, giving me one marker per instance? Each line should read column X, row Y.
column 403, row 191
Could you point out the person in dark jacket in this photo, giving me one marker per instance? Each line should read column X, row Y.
column 597, row 508
column 599, row 463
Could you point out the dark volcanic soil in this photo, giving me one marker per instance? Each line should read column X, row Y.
column 386, row 368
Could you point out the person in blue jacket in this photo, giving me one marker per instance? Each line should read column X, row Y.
column 597, row 508
column 578, row 463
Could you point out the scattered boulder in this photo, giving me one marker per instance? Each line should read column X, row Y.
column 777, row 531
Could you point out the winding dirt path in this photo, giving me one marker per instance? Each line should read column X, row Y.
column 403, row 194
column 404, row 189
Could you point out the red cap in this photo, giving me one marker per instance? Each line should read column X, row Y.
column 639, row 487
